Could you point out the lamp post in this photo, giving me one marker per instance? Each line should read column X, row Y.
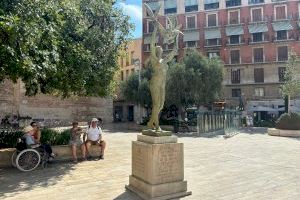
column 137, row 63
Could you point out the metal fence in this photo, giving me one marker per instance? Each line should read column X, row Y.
column 209, row 121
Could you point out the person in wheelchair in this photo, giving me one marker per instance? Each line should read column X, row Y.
column 34, row 142
column 29, row 154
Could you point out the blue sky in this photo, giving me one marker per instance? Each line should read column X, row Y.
column 133, row 8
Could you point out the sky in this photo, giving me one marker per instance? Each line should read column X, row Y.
column 133, row 8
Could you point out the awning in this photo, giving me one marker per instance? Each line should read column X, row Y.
column 212, row 34
column 282, row 26
column 154, row 5
column 258, row 28
column 210, row 1
column 170, row 4
column 191, row 36
column 234, row 30
column 147, row 40
column 191, row 2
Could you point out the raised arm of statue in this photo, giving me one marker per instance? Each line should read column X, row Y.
column 153, row 42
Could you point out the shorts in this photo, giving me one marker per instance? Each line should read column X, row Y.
column 76, row 142
column 98, row 142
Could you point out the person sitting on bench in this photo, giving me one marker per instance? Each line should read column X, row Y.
column 94, row 137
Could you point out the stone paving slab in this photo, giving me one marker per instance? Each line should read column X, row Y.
column 246, row 166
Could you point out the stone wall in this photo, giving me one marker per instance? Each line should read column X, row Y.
column 14, row 102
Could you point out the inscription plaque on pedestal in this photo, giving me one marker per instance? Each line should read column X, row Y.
column 157, row 168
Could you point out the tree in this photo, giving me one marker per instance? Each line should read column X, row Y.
column 195, row 81
column 291, row 84
column 135, row 91
column 66, row 47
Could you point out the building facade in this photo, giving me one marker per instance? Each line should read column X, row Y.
column 129, row 62
column 252, row 37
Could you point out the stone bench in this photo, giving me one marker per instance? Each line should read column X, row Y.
column 63, row 153
column 283, row 133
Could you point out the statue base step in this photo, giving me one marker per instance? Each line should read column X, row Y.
column 155, row 133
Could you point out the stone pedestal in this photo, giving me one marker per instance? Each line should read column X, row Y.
column 157, row 168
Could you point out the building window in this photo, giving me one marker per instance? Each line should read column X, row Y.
column 132, row 70
column 235, row 56
column 169, row 46
column 131, row 57
column 210, row 5
column 212, row 20
column 191, row 44
column 191, row 5
column 232, row 3
column 212, row 42
column 257, row 37
column 127, row 60
column 146, row 47
column 259, row 75
column 170, row 6
column 235, row 76
column 234, row 17
column 259, row 92
column 281, row 73
column 258, row 55
column 255, row 1
column 190, row 22
column 122, row 62
column 282, row 53
column 234, row 39
column 281, row 35
column 280, row 12
column 256, row 14
column 211, row 55
column 236, row 92
column 127, row 74
column 122, row 75
column 150, row 26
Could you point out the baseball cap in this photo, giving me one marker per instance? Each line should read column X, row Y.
column 95, row 120
column 27, row 129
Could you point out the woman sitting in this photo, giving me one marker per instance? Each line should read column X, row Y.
column 75, row 140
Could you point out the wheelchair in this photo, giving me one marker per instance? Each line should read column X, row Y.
column 27, row 158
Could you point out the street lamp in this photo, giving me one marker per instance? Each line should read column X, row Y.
column 137, row 63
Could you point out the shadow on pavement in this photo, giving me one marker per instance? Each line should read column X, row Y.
column 127, row 196
column 14, row 181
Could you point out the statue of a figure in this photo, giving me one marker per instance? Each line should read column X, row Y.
column 159, row 65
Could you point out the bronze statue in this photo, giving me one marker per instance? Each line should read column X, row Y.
column 159, row 64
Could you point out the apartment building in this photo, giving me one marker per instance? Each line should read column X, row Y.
column 252, row 37
column 129, row 62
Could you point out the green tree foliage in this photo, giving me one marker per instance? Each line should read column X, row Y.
column 65, row 47
column 196, row 80
column 138, row 91
column 291, row 84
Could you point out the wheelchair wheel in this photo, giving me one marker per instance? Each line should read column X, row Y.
column 13, row 158
column 28, row 159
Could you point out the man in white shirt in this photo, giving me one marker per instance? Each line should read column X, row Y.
column 94, row 137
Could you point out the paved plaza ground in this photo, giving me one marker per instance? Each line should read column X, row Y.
column 246, row 166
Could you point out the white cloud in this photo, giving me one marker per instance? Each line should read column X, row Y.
column 134, row 11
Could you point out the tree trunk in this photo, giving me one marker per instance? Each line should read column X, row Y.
column 287, row 103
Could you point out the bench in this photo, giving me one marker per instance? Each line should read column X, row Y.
column 63, row 154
